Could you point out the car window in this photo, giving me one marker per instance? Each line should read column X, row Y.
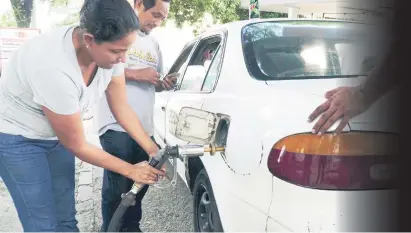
column 308, row 50
column 182, row 61
column 355, row 58
column 199, row 64
column 213, row 71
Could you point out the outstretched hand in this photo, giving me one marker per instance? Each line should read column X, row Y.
column 342, row 103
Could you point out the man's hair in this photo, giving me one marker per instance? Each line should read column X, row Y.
column 108, row 20
column 148, row 4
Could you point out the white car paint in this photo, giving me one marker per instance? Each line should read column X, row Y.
column 248, row 197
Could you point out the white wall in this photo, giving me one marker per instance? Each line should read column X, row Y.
column 5, row 6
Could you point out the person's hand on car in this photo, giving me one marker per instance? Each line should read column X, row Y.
column 143, row 173
column 342, row 102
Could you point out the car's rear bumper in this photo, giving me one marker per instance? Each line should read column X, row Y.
column 296, row 208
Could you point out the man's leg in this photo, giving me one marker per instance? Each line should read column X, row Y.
column 62, row 169
column 120, row 145
column 25, row 171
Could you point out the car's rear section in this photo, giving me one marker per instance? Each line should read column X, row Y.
column 326, row 182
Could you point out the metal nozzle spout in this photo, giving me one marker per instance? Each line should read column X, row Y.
column 199, row 150
column 191, row 151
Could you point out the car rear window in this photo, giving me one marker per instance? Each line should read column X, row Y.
column 281, row 50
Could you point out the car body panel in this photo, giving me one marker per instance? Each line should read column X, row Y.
column 314, row 210
column 240, row 176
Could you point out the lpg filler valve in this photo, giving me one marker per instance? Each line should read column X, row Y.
column 157, row 161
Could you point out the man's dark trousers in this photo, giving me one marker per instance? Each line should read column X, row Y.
column 122, row 146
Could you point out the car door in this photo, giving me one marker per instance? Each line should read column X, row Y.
column 162, row 97
column 189, row 92
column 250, row 193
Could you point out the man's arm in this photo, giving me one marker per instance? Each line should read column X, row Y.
column 151, row 75
column 125, row 116
column 347, row 102
column 148, row 75
column 142, row 75
column 382, row 78
column 169, row 81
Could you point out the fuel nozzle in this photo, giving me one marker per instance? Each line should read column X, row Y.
column 198, row 150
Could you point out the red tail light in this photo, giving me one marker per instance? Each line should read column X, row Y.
column 350, row 161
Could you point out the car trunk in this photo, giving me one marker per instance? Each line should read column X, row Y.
column 378, row 117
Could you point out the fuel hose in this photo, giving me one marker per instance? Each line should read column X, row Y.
column 128, row 200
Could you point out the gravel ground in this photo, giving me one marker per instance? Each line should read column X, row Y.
column 9, row 221
column 164, row 210
column 168, row 210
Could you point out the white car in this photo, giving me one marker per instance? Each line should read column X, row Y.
column 261, row 79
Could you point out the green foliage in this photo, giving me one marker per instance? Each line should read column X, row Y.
column 223, row 11
column 22, row 12
column 193, row 11
column 267, row 15
column 8, row 20
column 182, row 12
column 243, row 14
column 58, row 3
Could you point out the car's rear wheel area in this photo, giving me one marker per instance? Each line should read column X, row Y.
column 206, row 217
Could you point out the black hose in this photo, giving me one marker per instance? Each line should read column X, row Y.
column 117, row 219
column 126, row 201
column 129, row 198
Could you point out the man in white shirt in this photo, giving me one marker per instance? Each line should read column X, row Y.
column 143, row 69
